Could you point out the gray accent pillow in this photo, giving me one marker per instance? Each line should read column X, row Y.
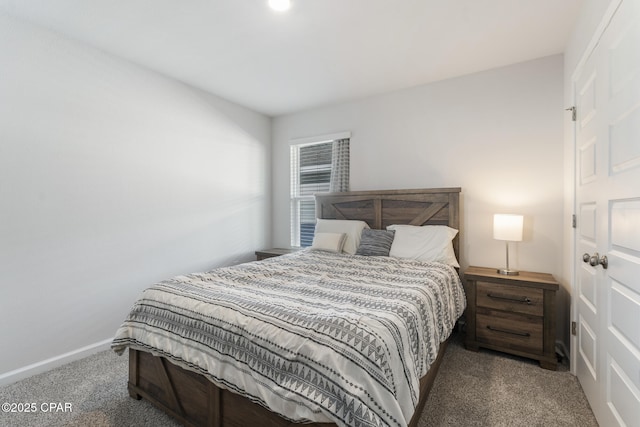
column 375, row 242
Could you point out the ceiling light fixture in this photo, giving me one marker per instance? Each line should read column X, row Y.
column 280, row 5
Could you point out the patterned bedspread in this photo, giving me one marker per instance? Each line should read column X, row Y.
column 313, row 336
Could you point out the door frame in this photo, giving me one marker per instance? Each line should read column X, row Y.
column 573, row 264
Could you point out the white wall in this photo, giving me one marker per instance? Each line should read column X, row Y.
column 112, row 177
column 497, row 134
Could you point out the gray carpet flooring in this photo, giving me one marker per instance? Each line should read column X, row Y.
column 472, row 389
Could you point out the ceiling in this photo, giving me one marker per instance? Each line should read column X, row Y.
column 319, row 52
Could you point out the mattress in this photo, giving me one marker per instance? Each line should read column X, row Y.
column 312, row 336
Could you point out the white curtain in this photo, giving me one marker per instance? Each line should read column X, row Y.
column 340, row 165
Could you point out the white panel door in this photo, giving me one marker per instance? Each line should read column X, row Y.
column 607, row 300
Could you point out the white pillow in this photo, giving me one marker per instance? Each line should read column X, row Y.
column 332, row 242
column 426, row 243
column 353, row 230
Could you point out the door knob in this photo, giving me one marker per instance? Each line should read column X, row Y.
column 595, row 260
column 604, row 262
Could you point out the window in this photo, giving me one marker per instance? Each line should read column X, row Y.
column 310, row 174
column 311, row 170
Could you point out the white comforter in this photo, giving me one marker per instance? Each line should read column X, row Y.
column 313, row 336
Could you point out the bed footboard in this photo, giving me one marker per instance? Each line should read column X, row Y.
column 193, row 400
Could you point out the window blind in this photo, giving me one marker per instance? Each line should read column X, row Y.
column 310, row 174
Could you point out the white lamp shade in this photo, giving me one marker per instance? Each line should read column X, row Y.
column 507, row 227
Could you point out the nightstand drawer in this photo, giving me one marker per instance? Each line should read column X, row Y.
column 509, row 330
column 510, row 298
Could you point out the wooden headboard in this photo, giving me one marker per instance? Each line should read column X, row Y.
column 429, row 206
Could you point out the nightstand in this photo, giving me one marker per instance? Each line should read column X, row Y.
column 270, row 253
column 512, row 314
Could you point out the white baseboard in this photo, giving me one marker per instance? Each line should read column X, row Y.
column 54, row 362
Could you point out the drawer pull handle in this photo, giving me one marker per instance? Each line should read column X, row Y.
column 523, row 300
column 506, row 331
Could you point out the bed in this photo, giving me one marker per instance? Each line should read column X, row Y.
column 200, row 380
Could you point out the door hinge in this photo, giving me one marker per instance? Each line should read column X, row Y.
column 573, row 328
column 574, row 221
column 573, row 112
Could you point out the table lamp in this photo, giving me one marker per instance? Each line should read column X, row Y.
column 508, row 228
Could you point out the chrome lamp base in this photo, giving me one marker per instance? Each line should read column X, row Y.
column 508, row 272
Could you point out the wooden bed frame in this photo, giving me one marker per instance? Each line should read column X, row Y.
column 195, row 401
